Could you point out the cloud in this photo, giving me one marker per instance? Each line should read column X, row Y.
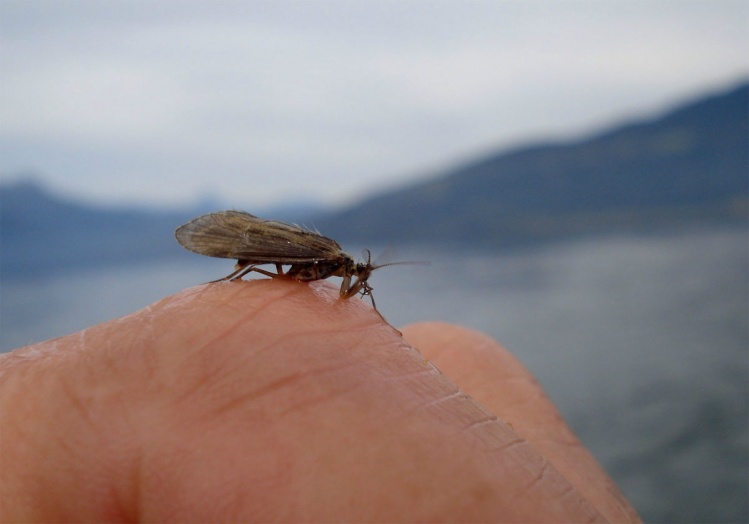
column 265, row 100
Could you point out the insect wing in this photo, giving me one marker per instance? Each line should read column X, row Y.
column 236, row 234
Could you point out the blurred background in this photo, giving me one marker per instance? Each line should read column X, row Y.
column 576, row 173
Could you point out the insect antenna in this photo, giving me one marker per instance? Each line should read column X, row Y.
column 374, row 266
column 364, row 271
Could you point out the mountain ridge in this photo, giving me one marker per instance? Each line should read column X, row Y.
column 692, row 156
column 690, row 163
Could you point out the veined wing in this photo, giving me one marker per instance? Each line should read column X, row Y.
column 236, row 234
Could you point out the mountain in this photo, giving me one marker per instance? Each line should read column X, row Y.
column 43, row 232
column 40, row 231
column 691, row 163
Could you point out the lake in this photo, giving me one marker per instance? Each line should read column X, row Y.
column 642, row 341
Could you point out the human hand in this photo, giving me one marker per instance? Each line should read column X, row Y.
column 276, row 401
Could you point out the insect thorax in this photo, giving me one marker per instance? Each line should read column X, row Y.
column 320, row 269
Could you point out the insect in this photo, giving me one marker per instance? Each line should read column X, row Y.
column 254, row 242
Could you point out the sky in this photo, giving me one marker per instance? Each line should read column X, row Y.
column 253, row 103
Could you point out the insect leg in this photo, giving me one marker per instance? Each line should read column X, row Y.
column 346, row 287
column 241, row 270
column 247, row 269
column 361, row 285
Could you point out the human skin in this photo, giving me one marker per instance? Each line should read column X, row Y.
column 273, row 400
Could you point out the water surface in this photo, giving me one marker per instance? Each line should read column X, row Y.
column 642, row 342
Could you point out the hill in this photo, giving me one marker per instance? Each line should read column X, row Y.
column 40, row 231
column 690, row 163
column 43, row 232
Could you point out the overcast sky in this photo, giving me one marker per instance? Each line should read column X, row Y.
column 163, row 102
